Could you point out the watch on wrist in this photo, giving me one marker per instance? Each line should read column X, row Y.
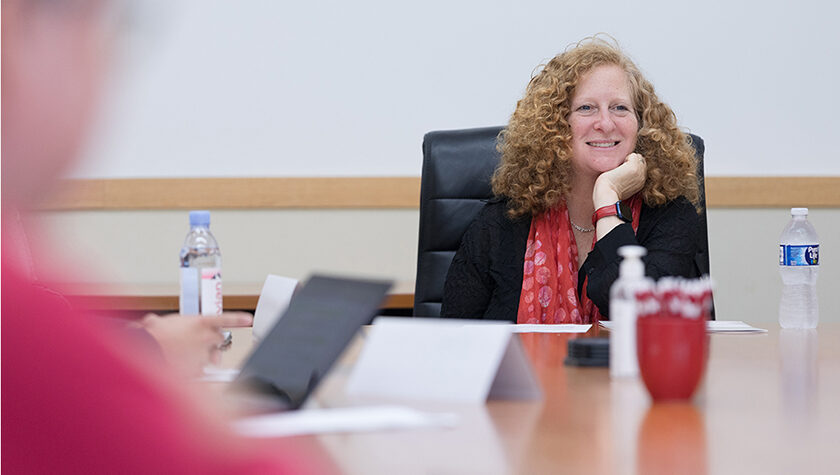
column 619, row 209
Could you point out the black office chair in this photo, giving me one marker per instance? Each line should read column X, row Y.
column 455, row 183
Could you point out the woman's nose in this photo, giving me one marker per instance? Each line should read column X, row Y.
column 604, row 121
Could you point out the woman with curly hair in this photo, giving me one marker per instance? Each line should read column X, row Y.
column 592, row 160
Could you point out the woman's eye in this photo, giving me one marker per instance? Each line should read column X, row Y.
column 586, row 108
column 621, row 108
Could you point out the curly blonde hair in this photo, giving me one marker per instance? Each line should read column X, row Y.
column 536, row 145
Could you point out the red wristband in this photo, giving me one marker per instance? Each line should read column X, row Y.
column 618, row 208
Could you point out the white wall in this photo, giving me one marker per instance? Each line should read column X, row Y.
column 267, row 88
column 379, row 243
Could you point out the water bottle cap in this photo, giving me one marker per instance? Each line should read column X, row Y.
column 799, row 211
column 199, row 218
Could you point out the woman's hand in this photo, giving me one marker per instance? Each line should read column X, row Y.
column 189, row 343
column 621, row 182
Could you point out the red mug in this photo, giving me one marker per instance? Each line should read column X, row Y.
column 672, row 355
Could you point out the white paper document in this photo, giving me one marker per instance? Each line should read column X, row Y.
column 716, row 326
column 442, row 360
column 346, row 419
column 731, row 326
column 274, row 299
column 219, row 375
column 541, row 328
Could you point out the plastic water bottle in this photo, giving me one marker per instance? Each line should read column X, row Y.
column 799, row 263
column 623, row 311
column 201, row 269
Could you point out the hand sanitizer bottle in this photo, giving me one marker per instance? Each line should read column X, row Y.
column 623, row 311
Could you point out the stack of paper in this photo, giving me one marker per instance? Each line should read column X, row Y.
column 346, row 419
column 731, row 326
column 547, row 328
column 717, row 326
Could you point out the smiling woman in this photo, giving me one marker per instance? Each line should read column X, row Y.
column 590, row 144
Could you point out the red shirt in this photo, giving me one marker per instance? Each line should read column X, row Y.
column 74, row 400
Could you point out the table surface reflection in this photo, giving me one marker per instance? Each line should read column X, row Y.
column 768, row 403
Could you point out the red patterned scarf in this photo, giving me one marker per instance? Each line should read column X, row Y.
column 550, row 275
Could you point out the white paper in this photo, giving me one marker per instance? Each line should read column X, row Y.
column 439, row 360
column 348, row 419
column 218, row 375
column 541, row 328
column 716, row 326
column 274, row 299
column 731, row 326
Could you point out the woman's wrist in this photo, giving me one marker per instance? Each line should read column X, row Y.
column 604, row 225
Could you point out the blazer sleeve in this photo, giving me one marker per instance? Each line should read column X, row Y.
column 669, row 233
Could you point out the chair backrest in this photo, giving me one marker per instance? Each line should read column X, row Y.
column 455, row 183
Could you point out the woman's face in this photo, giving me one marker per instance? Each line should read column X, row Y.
column 603, row 121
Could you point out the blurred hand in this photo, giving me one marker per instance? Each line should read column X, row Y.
column 189, row 343
column 621, row 182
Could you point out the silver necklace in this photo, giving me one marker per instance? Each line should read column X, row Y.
column 581, row 228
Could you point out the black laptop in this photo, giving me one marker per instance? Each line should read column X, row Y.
column 290, row 361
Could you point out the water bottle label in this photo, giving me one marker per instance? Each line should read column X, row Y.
column 211, row 291
column 188, row 301
column 807, row 255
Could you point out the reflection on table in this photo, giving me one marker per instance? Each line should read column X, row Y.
column 767, row 405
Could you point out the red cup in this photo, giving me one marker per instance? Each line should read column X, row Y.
column 672, row 355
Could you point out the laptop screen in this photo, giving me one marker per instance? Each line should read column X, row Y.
column 321, row 320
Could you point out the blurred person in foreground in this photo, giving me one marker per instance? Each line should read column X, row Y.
column 78, row 398
column 589, row 137
column 46, row 122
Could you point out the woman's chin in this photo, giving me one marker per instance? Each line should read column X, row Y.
column 606, row 166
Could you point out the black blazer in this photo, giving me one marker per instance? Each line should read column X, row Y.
column 485, row 277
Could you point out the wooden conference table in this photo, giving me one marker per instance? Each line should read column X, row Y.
column 769, row 403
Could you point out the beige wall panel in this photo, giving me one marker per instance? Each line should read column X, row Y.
column 143, row 246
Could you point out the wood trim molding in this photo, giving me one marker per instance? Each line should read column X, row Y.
column 379, row 192
column 772, row 192
column 237, row 193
